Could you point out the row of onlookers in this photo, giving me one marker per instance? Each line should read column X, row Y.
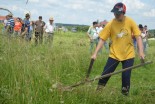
column 24, row 28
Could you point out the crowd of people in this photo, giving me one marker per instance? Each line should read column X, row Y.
column 144, row 35
column 93, row 34
column 24, row 28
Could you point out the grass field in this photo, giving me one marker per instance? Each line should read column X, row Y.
column 28, row 73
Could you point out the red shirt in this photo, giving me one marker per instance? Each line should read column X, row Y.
column 18, row 26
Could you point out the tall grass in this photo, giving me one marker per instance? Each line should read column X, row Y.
column 27, row 73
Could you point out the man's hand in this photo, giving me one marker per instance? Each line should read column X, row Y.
column 142, row 55
column 99, row 46
column 94, row 56
column 91, row 40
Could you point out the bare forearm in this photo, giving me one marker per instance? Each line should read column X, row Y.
column 99, row 46
column 25, row 31
column 140, row 44
column 88, row 35
column 140, row 47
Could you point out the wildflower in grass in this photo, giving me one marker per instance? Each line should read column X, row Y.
column 54, row 85
column 51, row 90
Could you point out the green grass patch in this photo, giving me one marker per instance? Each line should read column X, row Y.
column 27, row 73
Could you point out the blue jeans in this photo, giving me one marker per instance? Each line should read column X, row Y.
column 28, row 36
column 111, row 66
column 92, row 43
column 145, row 46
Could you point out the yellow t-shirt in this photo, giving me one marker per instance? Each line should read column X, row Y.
column 120, row 34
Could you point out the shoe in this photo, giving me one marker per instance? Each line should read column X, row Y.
column 125, row 91
column 100, row 87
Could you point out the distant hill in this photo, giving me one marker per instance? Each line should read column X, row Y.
column 68, row 25
column 152, row 33
column 73, row 27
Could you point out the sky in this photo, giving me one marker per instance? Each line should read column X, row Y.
column 81, row 11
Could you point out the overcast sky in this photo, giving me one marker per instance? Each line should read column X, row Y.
column 81, row 11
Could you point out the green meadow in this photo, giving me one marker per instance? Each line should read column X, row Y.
column 29, row 74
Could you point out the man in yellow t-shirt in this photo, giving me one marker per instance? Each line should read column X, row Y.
column 120, row 31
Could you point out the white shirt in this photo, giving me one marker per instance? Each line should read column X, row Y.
column 95, row 36
column 92, row 32
column 99, row 29
column 143, row 37
column 5, row 22
column 49, row 28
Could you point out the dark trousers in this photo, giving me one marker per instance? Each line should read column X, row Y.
column 38, row 37
column 111, row 66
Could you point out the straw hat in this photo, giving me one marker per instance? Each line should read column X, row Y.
column 10, row 15
column 51, row 18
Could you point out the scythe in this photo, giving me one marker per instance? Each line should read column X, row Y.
column 68, row 88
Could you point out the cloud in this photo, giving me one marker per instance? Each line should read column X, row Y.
column 80, row 11
column 14, row 8
column 150, row 13
column 33, row 1
column 134, row 4
column 75, row 6
column 34, row 12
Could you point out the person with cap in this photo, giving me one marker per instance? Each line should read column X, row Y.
column 49, row 30
column 119, row 30
column 26, row 27
column 93, row 35
column 10, row 25
column 39, row 25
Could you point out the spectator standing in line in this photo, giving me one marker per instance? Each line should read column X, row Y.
column 5, row 23
column 49, row 31
column 26, row 28
column 93, row 36
column 144, row 37
column 147, row 35
column 17, row 27
column 39, row 25
column 10, row 25
column 99, row 29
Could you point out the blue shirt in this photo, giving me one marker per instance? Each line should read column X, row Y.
column 10, row 22
column 27, row 24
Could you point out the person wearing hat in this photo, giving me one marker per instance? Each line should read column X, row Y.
column 119, row 30
column 39, row 25
column 10, row 24
column 49, row 30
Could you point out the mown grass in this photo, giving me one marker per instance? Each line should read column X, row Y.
column 27, row 73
